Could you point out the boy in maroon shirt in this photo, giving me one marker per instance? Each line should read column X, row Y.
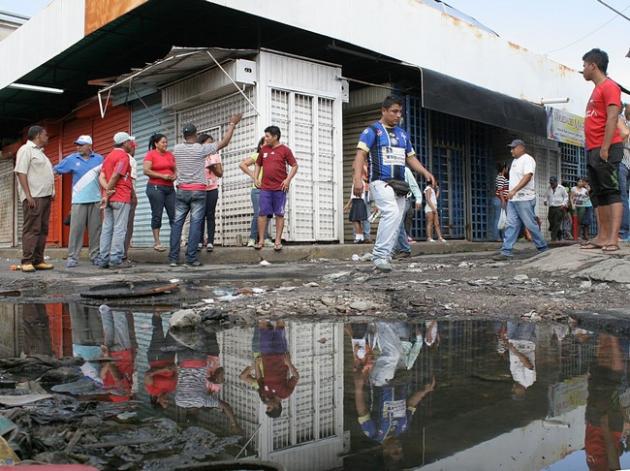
column 604, row 151
column 273, row 159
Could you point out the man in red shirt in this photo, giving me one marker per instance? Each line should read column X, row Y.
column 605, row 150
column 117, row 192
column 274, row 182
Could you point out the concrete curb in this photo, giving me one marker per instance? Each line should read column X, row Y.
column 290, row 253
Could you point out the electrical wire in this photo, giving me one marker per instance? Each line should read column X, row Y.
column 613, row 9
column 588, row 34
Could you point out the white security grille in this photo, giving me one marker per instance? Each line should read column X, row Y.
column 234, row 210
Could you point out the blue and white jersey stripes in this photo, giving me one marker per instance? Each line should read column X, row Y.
column 85, row 187
column 388, row 149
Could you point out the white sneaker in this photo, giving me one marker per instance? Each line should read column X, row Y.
column 430, row 240
column 443, row 241
column 251, row 243
column 269, row 243
column 382, row 265
column 209, row 248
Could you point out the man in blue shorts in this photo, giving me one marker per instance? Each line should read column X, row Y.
column 388, row 150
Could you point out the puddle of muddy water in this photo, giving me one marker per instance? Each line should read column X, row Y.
column 432, row 395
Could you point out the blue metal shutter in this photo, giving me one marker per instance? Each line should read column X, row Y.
column 145, row 121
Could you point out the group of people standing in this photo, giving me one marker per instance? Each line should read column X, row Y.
column 184, row 183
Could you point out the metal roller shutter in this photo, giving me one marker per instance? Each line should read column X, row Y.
column 146, row 121
column 353, row 126
column 7, row 201
column 103, row 130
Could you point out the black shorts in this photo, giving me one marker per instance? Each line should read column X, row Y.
column 604, row 175
column 358, row 211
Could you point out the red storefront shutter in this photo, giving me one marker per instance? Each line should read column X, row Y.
column 53, row 151
column 116, row 119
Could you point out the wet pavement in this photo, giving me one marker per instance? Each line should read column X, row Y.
column 431, row 395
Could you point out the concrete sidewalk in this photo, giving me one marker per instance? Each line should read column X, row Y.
column 290, row 253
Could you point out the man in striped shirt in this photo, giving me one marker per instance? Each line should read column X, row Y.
column 190, row 157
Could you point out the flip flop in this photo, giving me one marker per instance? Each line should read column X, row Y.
column 258, row 247
column 277, row 247
column 610, row 248
column 159, row 248
column 590, row 246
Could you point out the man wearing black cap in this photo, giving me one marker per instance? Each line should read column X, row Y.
column 521, row 201
column 190, row 157
column 558, row 201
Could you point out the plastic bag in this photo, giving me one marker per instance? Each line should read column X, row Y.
column 502, row 220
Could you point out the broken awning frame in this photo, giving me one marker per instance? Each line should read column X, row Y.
column 177, row 63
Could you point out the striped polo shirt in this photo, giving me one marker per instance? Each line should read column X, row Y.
column 190, row 161
column 192, row 391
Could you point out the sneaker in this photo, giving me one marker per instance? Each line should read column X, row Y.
column 430, row 240
column 382, row 265
column 199, row 247
column 359, row 241
column 269, row 243
column 196, row 263
column 28, row 268
column 44, row 266
column 401, row 254
column 251, row 243
column 443, row 241
column 502, row 258
column 103, row 266
column 71, row 263
column 173, row 264
column 210, row 248
column 123, row 264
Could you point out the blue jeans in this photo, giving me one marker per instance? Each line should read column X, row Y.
column 495, row 233
column 624, row 174
column 161, row 197
column 519, row 214
column 113, row 233
column 403, row 244
column 193, row 202
column 253, row 231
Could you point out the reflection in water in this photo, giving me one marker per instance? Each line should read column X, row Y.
column 380, row 395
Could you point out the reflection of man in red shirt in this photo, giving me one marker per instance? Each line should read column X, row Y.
column 117, row 375
column 273, row 374
column 605, row 150
column 604, row 417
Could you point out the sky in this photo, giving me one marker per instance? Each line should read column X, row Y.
column 563, row 30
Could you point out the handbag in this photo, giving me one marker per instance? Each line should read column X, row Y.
column 400, row 187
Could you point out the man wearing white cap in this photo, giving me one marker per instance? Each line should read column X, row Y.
column 116, row 202
column 85, row 166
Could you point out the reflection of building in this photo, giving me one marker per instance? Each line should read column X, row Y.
column 10, row 331
column 309, row 433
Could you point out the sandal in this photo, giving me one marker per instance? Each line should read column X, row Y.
column 159, row 248
column 258, row 246
column 590, row 246
column 277, row 247
column 610, row 248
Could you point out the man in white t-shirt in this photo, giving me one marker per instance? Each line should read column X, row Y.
column 521, row 201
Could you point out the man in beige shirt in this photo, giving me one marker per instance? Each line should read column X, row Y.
column 36, row 190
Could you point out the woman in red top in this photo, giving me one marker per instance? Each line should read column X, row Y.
column 159, row 166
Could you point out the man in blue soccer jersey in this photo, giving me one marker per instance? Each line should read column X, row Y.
column 388, row 150
column 84, row 165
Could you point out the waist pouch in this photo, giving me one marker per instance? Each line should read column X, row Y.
column 400, row 187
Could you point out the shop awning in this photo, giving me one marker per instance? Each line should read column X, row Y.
column 456, row 97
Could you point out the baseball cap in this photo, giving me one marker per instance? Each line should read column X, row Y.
column 189, row 129
column 516, row 142
column 121, row 137
column 83, row 139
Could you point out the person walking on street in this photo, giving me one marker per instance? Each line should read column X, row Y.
column 190, row 162
column 499, row 202
column 581, row 201
column 274, row 184
column 159, row 166
column 357, row 210
column 557, row 200
column 36, row 190
column 247, row 166
column 388, row 151
column 85, row 167
column 402, row 246
column 432, row 193
column 624, row 174
column 116, row 202
column 604, row 148
column 521, row 201
column 214, row 172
